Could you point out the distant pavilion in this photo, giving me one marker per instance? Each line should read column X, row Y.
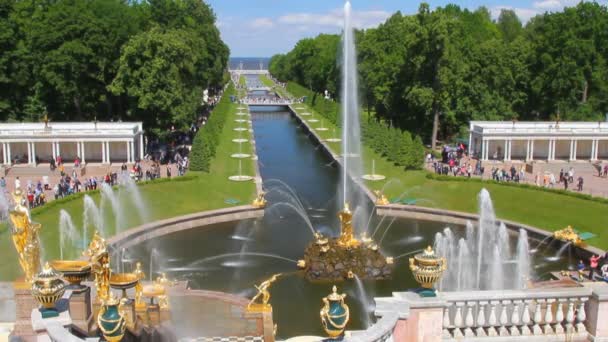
column 548, row 141
column 101, row 142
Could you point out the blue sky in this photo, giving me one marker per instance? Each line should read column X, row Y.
column 262, row 28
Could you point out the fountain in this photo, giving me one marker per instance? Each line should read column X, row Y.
column 67, row 232
column 344, row 256
column 373, row 176
column 240, row 177
column 240, row 154
column 483, row 260
column 304, row 114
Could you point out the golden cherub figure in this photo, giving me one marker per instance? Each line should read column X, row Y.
column 263, row 292
column 139, row 289
column 100, row 262
column 163, row 300
column 380, row 198
column 25, row 236
column 347, row 236
column 260, row 200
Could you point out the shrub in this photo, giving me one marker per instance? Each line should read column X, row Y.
column 207, row 138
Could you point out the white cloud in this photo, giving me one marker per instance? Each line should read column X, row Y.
column 553, row 4
column 261, row 23
column 335, row 19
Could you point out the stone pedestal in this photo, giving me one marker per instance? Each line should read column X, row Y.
column 80, row 310
column 597, row 313
column 165, row 315
column 153, row 315
column 268, row 326
column 142, row 314
column 25, row 303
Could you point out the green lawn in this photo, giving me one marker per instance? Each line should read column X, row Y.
column 550, row 211
column 196, row 192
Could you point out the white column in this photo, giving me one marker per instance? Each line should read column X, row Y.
column 484, row 149
column 531, row 150
column 504, row 151
column 128, row 152
column 4, row 153
column 8, row 149
column 596, row 148
column 109, row 160
column 592, row 150
column 141, row 146
column 572, row 149
column 57, row 148
column 29, row 153
column 33, row 153
column 83, row 150
column 132, row 144
column 510, row 148
column 78, row 149
column 575, row 148
column 470, row 139
column 54, row 150
column 527, row 150
column 103, row 152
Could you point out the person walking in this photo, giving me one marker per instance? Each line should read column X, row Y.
column 17, row 183
column 580, row 267
column 565, row 183
column 580, row 183
column 593, row 262
column 168, row 171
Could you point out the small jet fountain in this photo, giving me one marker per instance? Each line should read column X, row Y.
column 373, row 176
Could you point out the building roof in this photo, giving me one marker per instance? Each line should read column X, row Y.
column 59, row 130
column 539, row 128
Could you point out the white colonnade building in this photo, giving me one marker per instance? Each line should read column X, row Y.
column 548, row 141
column 97, row 142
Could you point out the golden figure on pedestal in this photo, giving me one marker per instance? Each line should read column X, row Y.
column 25, row 237
column 347, row 237
column 380, row 198
column 568, row 234
column 264, row 293
column 260, row 201
column 139, row 289
column 100, row 263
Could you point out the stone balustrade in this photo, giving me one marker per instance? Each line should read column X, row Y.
column 511, row 313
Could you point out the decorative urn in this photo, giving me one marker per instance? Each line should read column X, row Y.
column 334, row 314
column 111, row 320
column 47, row 288
column 427, row 268
column 73, row 271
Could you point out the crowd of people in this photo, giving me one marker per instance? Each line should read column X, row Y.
column 566, row 178
column 594, row 268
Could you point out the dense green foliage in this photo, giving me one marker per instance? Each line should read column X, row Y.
column 109, row 59
column 207, row 138
column 451, row 65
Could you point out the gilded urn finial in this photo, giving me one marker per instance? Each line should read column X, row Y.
column 427, row 269
column 334, row 314
column 48, row 288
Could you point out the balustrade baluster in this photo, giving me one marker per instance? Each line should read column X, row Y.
column 581, row 316
column 514, row 329
column 525, row 319
column 538, row 318
column 481, row 319
column 458, row 323
column 559, row 316
column 547, row 328
column 504, row 318
column 492, row 319
column 447, row 324
column 469, row 322
column 570, row 316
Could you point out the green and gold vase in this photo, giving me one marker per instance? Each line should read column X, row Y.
column 334, row 314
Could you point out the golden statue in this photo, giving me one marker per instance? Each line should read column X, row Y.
column 139, row 289
column 568, row 234
column 164, row 282
column 260, row 201
column 347, row 237
column 380, row 198
column 25, row 237
column 100, row 263
column 264, row 293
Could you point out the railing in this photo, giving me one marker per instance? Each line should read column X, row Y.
column 265, row 101
column 535, row 312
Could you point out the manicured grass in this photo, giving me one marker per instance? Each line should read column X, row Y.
column 193, row 193
column 542, row 209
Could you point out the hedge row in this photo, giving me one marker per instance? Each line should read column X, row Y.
column 208, row 137
column 396, row 145
column 578, row 195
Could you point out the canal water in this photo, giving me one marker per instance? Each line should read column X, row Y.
column 232, row 257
